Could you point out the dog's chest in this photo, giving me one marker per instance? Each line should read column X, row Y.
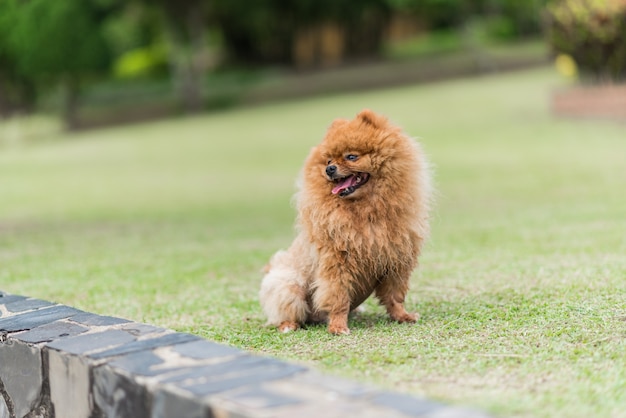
column 371, row 241
column 375, row 248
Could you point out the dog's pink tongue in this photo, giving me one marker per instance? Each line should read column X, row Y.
column 344, row 184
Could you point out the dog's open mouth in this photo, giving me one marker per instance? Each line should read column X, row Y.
column 347, row 185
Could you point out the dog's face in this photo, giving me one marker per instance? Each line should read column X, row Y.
column 351, row 158
column 347, row 171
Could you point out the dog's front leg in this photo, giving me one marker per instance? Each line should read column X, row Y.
column 391, row 292
column 332, row 295
column 338, row 315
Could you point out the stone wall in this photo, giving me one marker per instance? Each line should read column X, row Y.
column 57, row 361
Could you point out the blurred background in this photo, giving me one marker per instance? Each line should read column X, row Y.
column 102, row 62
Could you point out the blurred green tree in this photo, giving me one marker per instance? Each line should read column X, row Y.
column 16, row 90
column 60, row 42
column 515, row 17
column 435, row 14
column 300, row 32
column 184, row 25
column 136, row 39
column 593, row 33
column 525, row 16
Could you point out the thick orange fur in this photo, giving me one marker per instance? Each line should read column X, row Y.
column 351, row 246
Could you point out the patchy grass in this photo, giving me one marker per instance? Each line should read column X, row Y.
column 522, row 289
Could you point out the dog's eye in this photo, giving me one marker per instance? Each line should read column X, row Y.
column 328, row 162
column 352, row 157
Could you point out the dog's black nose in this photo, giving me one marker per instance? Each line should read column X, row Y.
column 331, row 170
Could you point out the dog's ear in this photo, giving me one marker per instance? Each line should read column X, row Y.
column 370, row 118
column 337, row 123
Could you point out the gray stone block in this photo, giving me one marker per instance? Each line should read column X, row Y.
column 336, row 408
column 37, row 318
column 118, row 396
column 6, row 298
column 27, row 305
column 82, row 344
column 51, row 332
column 145, row 344
column 258, row 397
column 140, row 363
column 406, row 404
column 70, row 388
column 167, row 404
column 230, row 381
column 4, row 411
column 455, row 412
column 20, row 371
column 335, row 385
column 239, row 365
column 204, row 349
column 86, row 318
column 137, row 329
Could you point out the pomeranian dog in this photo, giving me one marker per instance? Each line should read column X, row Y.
column 363, row 204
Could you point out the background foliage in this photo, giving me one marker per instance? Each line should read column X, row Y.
column 183, row 44
column 593, row 33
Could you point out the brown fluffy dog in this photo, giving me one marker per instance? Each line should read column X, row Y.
column 362, row 218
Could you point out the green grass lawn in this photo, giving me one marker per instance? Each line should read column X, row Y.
column 522, row 288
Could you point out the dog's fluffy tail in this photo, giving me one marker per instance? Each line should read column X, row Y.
column 283, row 294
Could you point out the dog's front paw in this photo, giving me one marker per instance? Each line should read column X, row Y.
column 406, row 317
column 338, row 329
column 338, row 324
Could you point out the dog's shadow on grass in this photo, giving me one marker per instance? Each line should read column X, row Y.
column 443, row 316
column 374, row 318
column 358, row 320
